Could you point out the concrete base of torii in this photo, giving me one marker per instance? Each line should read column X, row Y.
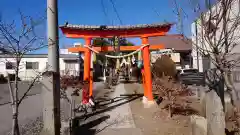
column 147, row 103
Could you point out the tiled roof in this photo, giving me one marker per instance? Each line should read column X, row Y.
column 178, row 42
column 120, row 27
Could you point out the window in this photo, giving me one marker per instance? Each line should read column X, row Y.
column 10, row 65
column 32, row 65
column 69, row 66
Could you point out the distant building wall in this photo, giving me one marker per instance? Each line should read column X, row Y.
column 67, row 66
column 202, row 62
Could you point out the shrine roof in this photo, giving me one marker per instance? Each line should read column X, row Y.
column 119, row 27
column 95, row 31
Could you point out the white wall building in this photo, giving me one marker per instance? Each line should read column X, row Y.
column 181, row 46
column 33, row 64
column 200, row 61
column 204, row 62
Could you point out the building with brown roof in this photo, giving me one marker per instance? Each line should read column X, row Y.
column 181, row 45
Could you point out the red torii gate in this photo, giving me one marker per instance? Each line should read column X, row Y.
column 143, row 31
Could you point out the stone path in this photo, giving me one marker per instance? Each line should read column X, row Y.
column 118, row 120
column 121, row 116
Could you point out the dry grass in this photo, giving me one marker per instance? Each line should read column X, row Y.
column 172, row 92
column 155, row 120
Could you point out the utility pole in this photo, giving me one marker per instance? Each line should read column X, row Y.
column 180, row 20
column 179, row 11
column 51, row 78
column 196, row 34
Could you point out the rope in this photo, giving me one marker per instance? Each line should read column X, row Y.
column 166, row 51
column 122, row 56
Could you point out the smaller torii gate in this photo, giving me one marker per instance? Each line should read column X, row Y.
column 143, row 31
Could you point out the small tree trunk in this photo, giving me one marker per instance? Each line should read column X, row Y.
column 234, row 97
column 233, row 92
column 169, row 111
column 15, row 125
column 170, row 105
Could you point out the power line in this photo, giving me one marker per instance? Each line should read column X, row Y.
column 105, row 12
column 116, row 39
column 154, row 9
column 181, row 15
column 115, row 10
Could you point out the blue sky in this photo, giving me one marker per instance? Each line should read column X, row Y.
column 90, row 12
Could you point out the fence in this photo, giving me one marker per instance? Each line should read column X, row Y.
column 192, row 78
column 212, row 121
column 69, row 72
column 214, row 101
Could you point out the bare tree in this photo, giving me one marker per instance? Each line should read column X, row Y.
column 217, row 37
column 19, row 38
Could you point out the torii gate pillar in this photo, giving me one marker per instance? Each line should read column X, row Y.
column 148, row 96
column 87, row 65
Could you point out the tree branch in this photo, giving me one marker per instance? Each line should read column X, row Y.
column 28, row 90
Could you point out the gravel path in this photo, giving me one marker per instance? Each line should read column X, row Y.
column 23, row 86
column 29, row 110
column 121, row 115
column 30, row 113
column 115, row 119
column 33, row 127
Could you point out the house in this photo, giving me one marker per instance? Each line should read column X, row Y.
column 202, row 60
column 33, row 64
column 181, row 46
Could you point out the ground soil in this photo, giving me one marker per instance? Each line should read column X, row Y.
column 155, row 120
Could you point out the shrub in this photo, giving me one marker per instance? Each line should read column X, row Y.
column 70, row 81
column 2, row 79
column 164, row 66
column 12, row 77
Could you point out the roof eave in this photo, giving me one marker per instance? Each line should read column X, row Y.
column 120, row 27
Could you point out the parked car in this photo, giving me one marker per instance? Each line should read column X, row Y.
column 190, row 70
column 191, row 76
